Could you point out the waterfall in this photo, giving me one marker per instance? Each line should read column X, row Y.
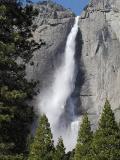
column 53, row 100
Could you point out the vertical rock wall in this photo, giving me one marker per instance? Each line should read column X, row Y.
column 99, row 25
column 97, row 53
column 53, row 26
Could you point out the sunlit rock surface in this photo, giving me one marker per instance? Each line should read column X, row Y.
column 53, row 26
column 100, row 28
column 97, row 53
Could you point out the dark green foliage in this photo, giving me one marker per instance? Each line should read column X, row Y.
column 106, row 142
column 59, row 153
column 70, row 155
column 107, row 120
column 8, row 157
column 85, row 135
column 42, row 147
column 16, row 45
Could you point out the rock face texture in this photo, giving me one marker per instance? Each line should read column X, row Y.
column 100, row 57
column 53, row 26
column 97, row 53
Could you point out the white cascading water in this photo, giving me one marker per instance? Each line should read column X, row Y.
column 52, row 100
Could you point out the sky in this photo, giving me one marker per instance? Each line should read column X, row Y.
column 75, row 5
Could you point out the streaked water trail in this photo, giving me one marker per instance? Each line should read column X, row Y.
column 52, row 101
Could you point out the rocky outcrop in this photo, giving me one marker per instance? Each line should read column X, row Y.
column 97, row 53
column 99, row 25
column 53, row 26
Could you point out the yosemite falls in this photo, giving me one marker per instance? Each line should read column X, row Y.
column 52, row 101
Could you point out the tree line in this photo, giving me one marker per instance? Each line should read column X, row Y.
column 16, row 48
column 103, row 144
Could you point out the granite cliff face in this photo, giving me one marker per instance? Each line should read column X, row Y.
column 97, row 53
column 100, row 57
column 53, row 26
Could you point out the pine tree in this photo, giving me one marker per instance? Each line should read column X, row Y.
column 83, row 147
column 70, row 155
column 59, row 153
column 106, row 142
column 42, row 147
column 15, row 44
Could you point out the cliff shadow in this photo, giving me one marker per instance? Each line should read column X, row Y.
column 79, row 93
column 80, row 74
